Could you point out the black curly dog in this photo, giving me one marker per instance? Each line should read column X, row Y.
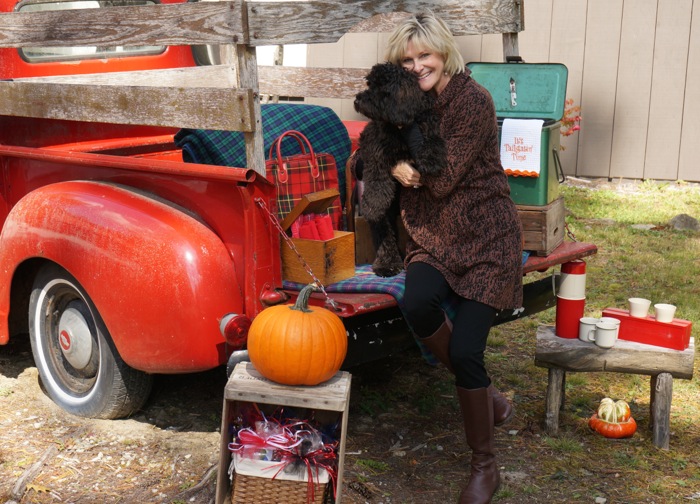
column 403, row 127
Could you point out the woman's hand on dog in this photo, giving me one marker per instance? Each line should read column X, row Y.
column 406, row 175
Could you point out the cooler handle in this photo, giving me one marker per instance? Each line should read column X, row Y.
column 559, row 170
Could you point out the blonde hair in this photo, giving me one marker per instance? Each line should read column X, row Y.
column 427, row 32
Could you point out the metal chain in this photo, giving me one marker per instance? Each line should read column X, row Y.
column 275, row 222
column 569, row 233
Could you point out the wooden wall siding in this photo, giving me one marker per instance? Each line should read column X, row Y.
column 566, row 46
column 633, row 88
column 668, row 88
column 688, row 164
column 600, row 63
column 633, row 67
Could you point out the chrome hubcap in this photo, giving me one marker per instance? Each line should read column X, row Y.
column 75, row 338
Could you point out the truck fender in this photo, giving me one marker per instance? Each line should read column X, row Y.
column 160, row 279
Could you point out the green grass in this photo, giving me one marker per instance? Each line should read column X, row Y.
column 660, row 264
column 374, row 466
column 577, row 465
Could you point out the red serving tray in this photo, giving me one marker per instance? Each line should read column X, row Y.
column 675, row 335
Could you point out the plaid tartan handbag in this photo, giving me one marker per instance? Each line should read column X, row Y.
column 301, row 174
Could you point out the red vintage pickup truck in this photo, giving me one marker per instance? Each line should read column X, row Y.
column 119, row 259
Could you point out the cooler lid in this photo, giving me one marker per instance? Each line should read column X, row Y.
column 524, row 90
column 315, row 202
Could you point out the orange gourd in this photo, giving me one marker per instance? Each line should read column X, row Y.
column 615, row 430
column 297, row 344
column 614, row 411
column 613, row 419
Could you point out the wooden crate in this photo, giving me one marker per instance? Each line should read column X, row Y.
column 543, row 226
column 247, row 385
column 330, row 260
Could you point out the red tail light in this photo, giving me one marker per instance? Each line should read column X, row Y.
column 234, row 329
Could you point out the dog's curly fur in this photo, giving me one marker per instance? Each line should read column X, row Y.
column 392, row 100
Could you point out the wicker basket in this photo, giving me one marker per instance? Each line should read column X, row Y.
column 256, row 490
column 253, row 484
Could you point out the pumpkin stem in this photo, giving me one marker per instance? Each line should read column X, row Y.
column 302, row 303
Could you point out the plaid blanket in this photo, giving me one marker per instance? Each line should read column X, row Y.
column 364, row 281
column 320, row 125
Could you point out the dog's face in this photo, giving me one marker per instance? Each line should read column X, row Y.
column 392, row 95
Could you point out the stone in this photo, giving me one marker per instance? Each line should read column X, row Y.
column 684, row 222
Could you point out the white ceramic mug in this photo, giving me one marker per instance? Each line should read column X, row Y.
column 613, row 321
column 664, row 312
column 586, row 325
column 603, row 335
column 639, row 307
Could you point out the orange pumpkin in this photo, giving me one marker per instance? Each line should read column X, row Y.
column 297, row 344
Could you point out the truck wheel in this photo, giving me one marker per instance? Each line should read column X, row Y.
column 79, row 366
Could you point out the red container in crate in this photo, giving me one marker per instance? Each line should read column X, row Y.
column 648, row 330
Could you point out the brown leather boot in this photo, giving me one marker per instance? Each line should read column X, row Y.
column 439, row 344
column 502, row 408
column 477, row 413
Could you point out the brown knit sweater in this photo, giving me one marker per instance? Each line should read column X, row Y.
column 462, row 221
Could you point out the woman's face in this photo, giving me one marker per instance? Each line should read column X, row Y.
column 429, row 66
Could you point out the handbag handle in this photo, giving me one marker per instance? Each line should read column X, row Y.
column 304, row 145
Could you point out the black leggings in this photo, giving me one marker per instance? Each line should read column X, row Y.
column 426, row 289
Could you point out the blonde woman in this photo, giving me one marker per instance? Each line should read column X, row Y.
column 465, row 236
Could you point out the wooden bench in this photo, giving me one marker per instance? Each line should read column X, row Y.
column 662, row 364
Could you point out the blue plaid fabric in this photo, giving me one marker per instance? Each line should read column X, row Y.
column 324, row 129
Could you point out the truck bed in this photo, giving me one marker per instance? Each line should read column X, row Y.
column 152, row 148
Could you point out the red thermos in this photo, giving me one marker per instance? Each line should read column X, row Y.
column 571, row 298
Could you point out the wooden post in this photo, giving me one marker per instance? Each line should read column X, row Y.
column 248, row 79
column 660, row 415
column 510, row 45
column 555, row 399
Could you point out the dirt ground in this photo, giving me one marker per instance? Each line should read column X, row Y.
column 396, row 450
column 405, row 443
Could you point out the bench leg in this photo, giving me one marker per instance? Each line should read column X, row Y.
column 554, row 400
column 660, row 414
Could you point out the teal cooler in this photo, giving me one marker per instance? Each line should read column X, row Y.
column 530, row 91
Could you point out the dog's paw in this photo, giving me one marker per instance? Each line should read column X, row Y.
column 386, row 269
